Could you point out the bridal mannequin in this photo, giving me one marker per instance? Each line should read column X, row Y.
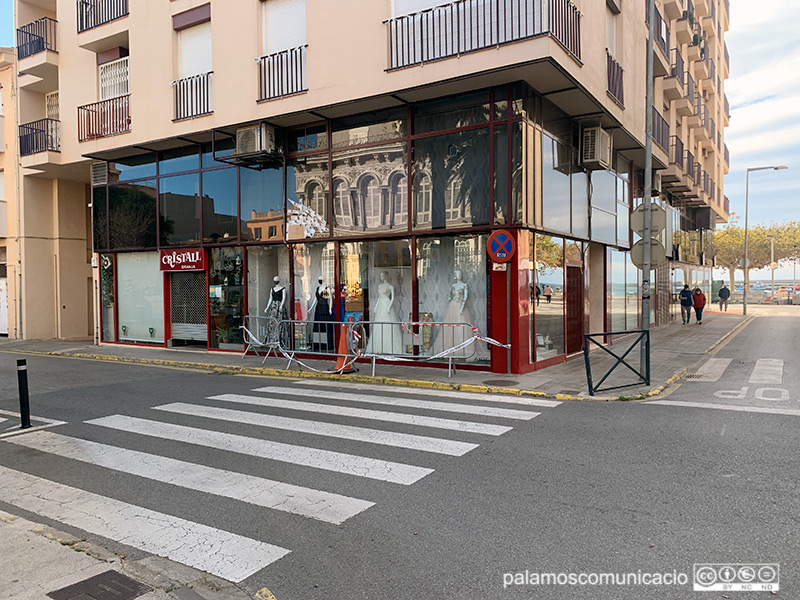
column 456, row 312
column 276, row 310
column 387, row 337
column 322, row 309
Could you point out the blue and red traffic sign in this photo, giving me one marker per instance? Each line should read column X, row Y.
column 501, row 246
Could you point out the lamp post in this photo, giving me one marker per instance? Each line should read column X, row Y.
column 746, row 208
column 772, row 263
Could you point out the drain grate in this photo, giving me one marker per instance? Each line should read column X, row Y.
column 697, row 376
column 110, row 585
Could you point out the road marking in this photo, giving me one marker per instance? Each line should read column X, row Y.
column 347, row 432
column 307, row 502
column 775, row 394
column 364, row 413
column 755, row 409
column 712, row 370
column 221, row 553
column 469, row 409
column 508, row 399
column 2, row 420
column 767, row 370
column 338, row 462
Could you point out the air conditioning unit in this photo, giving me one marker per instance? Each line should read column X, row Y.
column 597, row 148
column 99, row 173
column 256, row 139
column 656, row 184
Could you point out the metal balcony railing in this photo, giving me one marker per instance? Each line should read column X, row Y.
column 690, row 87
column 40, row 136
column 678, row 66
column 706, row 182
column 93, row 13
column 615, row 85
column 465, row 26
column 690, row 165
column 104, row 118
column 676, row 151
column 660, row 29
column 713, row 69
column 713, row 189
column 282, row 73
column 36, row 37
column 193, row 96
column 727, row 107
column 698, row 174
column 727, row 205
column 727, row 56
column 727, row 154
column 660, row 130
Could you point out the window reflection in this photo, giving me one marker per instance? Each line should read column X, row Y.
column 547, row 334
column 307, row 197
column 133, row 213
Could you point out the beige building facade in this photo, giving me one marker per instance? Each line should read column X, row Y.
column 363, row 144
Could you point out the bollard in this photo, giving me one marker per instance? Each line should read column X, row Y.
column 24, row 404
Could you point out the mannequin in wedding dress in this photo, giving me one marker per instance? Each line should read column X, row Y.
column 276, row 310
column 457, row 312
column 387, row 337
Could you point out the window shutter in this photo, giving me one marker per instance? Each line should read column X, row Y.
column 284, row 25
column 51, row 105
column 194, row 50
column 405, row 7
column 114, row 79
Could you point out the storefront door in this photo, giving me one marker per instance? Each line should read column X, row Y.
column 574, row 298
column 188, row 313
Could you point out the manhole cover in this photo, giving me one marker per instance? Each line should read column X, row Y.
column 110, row 585
column 499, row 382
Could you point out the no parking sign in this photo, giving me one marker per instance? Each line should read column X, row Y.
column 501, row 246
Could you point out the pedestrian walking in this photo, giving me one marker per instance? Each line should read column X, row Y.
column 686, row 303
column 548, row 293
column 699, row 302
column 724, row 294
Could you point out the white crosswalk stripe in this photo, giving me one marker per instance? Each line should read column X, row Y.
column 712, row 370
column 350, row 464
column 363, row 413
column 348, row 432
column 468, row 409
column 295, row 499
column 767, row 370
column 478, row 397
column 227, row 555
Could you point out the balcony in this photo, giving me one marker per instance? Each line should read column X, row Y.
column 661, row 64
column 726, row 205
column 38, row 36
column 673, row 86
column 701, row 8
column 701, row 69
column 104, row 118
column 694, row 51
column 726, row 111
column 709, row 22
column 39, row 136
column 727, row 61
column 192, row 96
column 458, row 28
column 673, row 9
column 615, row 87
column 282, row 74
column 683, row 30
column 93, row 13
column 38, row 55
column 660, row 130
column 695, row 120
column 674, row 175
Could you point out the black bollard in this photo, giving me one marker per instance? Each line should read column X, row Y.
column 24, row 404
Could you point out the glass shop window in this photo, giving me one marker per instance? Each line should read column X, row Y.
column 179, row 209
column 547, row 334
column 315, row 297
column 220, row 219
column 307, row 197
column 226, row 298
column 140, row 298
column 133, row 215
column 261, row 204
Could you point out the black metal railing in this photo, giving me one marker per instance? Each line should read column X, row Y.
column 660, row 29
column 678, row 66
column 615, row 85
column 690, row 86
column 193, row 96
column 282, row 73
column 641, row 341
column 727, row 107
column 689, row 162
column 93, row 13
column 706, row 182
column 36, row 37
column 727, row 154
column 465, row 26
column 713, row 65
column 676, row 151
column 727, row 205
column 660, row 130
column 104, row 118
column 698, row 174
column 40, row 136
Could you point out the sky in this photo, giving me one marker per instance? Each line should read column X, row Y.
column 764, row 95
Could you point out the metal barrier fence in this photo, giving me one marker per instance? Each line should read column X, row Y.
column 641, row 341
column 371, row 340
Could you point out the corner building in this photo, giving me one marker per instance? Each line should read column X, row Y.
column 383, row 140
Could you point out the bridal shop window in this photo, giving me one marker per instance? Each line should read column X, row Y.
column 264, row 263
column 547, row 329
column 451, row 284
column 367, row 190
column 376, row 286
column 314, row 296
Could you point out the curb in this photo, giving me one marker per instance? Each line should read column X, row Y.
column 731, row 333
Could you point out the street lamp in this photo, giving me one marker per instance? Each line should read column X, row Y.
column 746, row 208
column 772, row 263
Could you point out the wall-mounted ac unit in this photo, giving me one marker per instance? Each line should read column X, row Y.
column 656, row 184
column 99, row 172
column 256, row 139
column 597, row 148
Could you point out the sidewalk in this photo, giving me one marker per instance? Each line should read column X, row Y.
column 674, row 349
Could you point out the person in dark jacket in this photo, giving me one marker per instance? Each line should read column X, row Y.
column 699, row 303
column 686, row 303
column 724, row 294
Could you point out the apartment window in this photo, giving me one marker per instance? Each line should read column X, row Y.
column 194, row 50
column 284, row 25
column 611, row 32
column 272, row 232
column 51, row 105
column 257, row 233
column 114, row 77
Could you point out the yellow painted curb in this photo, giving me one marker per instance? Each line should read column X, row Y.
column 731, row 333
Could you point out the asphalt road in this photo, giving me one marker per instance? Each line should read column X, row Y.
column 581, row 488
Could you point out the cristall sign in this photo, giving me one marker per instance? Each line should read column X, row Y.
column 183, row 259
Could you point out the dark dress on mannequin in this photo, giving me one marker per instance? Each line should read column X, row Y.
column 322, row 333
column 276, row 330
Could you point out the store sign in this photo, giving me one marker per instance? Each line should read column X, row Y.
column 183, row 259
column 501, row 246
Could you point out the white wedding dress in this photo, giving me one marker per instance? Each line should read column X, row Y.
column 386, row 338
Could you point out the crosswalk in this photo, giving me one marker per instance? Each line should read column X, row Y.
column 764, row 370
column 392, row 437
